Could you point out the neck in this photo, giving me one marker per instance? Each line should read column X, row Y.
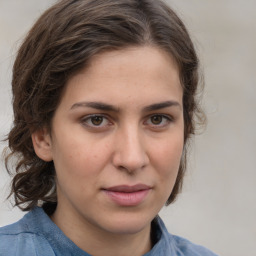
column 98, row 242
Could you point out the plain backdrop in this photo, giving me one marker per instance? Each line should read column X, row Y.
column 218, row 205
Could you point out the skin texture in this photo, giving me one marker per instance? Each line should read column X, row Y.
column 133, row 135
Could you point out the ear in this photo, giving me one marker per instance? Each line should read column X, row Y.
column 42, row 144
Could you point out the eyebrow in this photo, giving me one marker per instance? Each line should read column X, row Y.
column 96, row 105
column 108, row 107
column 160, row 105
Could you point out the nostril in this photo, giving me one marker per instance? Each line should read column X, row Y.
column 125, row 169
column 132, row 167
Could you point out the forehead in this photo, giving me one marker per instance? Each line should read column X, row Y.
column 132, row 73
column 148, row 59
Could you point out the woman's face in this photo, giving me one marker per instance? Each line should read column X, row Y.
column 117, row 140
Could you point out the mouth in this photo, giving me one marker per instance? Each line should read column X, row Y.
column 125, row 195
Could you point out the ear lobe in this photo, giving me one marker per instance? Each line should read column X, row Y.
column 42, row 144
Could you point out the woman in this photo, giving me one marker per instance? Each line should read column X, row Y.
column 104, row 100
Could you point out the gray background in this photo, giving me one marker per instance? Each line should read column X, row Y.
column 218, row 206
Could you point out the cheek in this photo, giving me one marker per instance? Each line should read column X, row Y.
column 80, row 158
column 166, row 164
column 166, row 158
column 78, row 169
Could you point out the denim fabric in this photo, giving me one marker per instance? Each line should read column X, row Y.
column 36, row 234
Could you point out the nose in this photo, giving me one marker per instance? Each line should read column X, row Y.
column 130, row 153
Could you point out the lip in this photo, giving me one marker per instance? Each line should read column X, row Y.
column 125, row 195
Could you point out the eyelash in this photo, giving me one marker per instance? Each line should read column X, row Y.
column 87, row 121
column 164, row 118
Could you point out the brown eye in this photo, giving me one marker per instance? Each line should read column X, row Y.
column 96, row 120
column 156, row 120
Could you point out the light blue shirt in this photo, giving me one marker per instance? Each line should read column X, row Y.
column 36, row 234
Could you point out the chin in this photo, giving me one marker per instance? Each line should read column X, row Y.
column 128, row 224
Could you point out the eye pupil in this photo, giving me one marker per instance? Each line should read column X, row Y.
column 156, row 119
column 97, row 120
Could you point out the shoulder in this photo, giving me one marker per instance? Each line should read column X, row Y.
column 176, row 245
column 186, row 247
column 19, row 239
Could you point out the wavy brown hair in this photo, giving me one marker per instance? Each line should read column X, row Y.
column 62, row 42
